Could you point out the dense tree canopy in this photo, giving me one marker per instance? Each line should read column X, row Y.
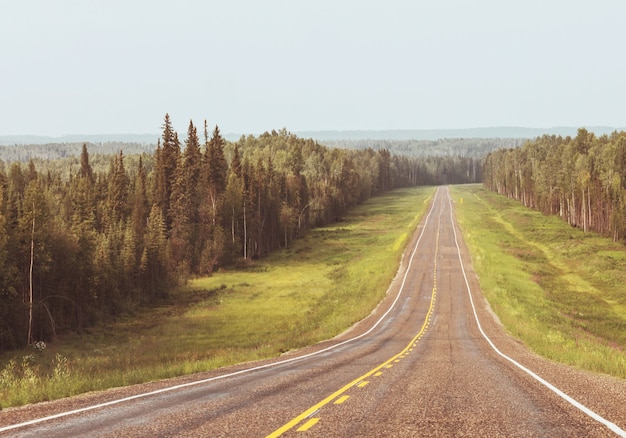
column 581, row 179
column 117, row 235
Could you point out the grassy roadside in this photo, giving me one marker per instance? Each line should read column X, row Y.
column 299, row 296
column 559, row 290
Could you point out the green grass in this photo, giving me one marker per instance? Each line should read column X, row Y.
column 309, row 292
column 559, row 290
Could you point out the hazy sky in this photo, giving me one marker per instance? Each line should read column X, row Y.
column 93, row 67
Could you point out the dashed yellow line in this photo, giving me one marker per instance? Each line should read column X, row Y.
column 360, row 381
column 309, row 424
column 342, row 399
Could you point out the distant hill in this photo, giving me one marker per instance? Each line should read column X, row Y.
column 436, row 134
column 13, row 140
column 474, row 142
column 396, row 134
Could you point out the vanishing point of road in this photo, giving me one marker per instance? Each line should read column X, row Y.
column 431, row 360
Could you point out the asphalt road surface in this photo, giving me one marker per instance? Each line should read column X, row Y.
column 431, row 360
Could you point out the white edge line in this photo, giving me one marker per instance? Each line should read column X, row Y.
column 614, row 427
column 247, row 370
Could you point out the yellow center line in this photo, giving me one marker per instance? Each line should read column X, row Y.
column 342, row 399
column 309, row 424
column 387, row 364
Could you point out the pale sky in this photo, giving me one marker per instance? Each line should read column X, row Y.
column 104, row 67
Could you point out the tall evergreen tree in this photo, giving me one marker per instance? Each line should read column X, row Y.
column 215, row 162
column 85, row 168
column 211, row 232
column 118, row 190
column 165, row 169
column 185, row 204
column 155, row 256
column 140, row 201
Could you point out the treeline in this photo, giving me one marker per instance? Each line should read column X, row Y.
column 444, row 147
column 581, row 179
column 435, row 162
column 57, row 151
column 80, row 245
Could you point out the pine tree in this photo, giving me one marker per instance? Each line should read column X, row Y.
column 165, row 169
column 215, row 162
column 82, row 201
column 140, row 201
column 192, row 170
column 155, row 257
column 118, row 190
column 185, row 204
column 85, row 168
column 211, row 232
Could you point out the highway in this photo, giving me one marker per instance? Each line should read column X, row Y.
column 431, row 360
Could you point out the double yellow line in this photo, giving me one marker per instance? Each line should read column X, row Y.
column 361, row 380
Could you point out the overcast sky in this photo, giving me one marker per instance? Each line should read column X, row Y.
column 98, row 67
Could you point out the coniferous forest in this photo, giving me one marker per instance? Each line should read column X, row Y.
column 81, row 244
column 580, row 179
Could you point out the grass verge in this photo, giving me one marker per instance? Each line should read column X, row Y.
column 309, row 292
column 559, row 290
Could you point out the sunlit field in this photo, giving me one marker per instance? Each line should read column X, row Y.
column 559, row 290
column 301, row 295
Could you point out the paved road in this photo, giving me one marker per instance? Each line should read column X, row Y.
column 430, row 361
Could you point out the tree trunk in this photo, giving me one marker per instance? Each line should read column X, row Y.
column 583, row 211
column 232, row 225
column 30, row 281
column 245, row 232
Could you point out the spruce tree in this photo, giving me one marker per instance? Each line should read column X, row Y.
column 155, row 257
column 215, row 162
column 118, row 190
column 165, row 169
column 188, row 196
column 85, row 168
column 140, row 200
column 139, row 216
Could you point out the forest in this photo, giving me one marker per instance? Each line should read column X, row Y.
column 580, row 179
column 90, row 236
column 475, row 148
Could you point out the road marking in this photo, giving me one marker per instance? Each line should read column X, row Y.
column 306, row 414
column 309, row 424
column 363, row 384
column 612, row 426
column 380, row 373
column 342, row 399
column 236, row 373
